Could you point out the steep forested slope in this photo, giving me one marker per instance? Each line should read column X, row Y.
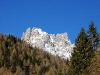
column 19, row 58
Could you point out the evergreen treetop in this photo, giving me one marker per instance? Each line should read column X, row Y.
column 94, row 35
column 81, row 55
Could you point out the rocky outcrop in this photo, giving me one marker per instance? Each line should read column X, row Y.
column 58, row 44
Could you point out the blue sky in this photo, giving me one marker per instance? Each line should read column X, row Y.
column 52, row 16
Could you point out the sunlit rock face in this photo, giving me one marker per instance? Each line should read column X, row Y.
column 58, row 44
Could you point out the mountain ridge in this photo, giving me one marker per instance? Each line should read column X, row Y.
column 58, row 44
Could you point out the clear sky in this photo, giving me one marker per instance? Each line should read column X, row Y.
column 52, row 16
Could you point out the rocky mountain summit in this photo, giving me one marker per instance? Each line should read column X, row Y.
column 58, row 44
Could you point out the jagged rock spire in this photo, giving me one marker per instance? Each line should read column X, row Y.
column 58, row 44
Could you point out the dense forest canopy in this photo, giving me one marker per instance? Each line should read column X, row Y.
column 19, row 58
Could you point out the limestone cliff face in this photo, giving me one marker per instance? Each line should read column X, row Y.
column 58, row 44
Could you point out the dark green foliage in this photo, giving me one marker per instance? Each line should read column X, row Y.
column 94, row 35
column 43, row 70
column 60, row 72
column 82, row 55
column 25, row 56
column 38, row 61
column 26, row 69
column 13, row 68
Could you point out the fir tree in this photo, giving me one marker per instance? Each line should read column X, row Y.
column 93, row 35
column 81, row 55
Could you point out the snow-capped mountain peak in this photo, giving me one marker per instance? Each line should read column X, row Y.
column 58, row 44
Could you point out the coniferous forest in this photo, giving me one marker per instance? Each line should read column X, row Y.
column 19, row 58
column 83, row 61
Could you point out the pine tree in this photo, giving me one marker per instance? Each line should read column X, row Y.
column 93, row 35
column 81, row 55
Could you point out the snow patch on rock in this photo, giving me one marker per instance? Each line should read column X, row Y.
column 58, row 44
